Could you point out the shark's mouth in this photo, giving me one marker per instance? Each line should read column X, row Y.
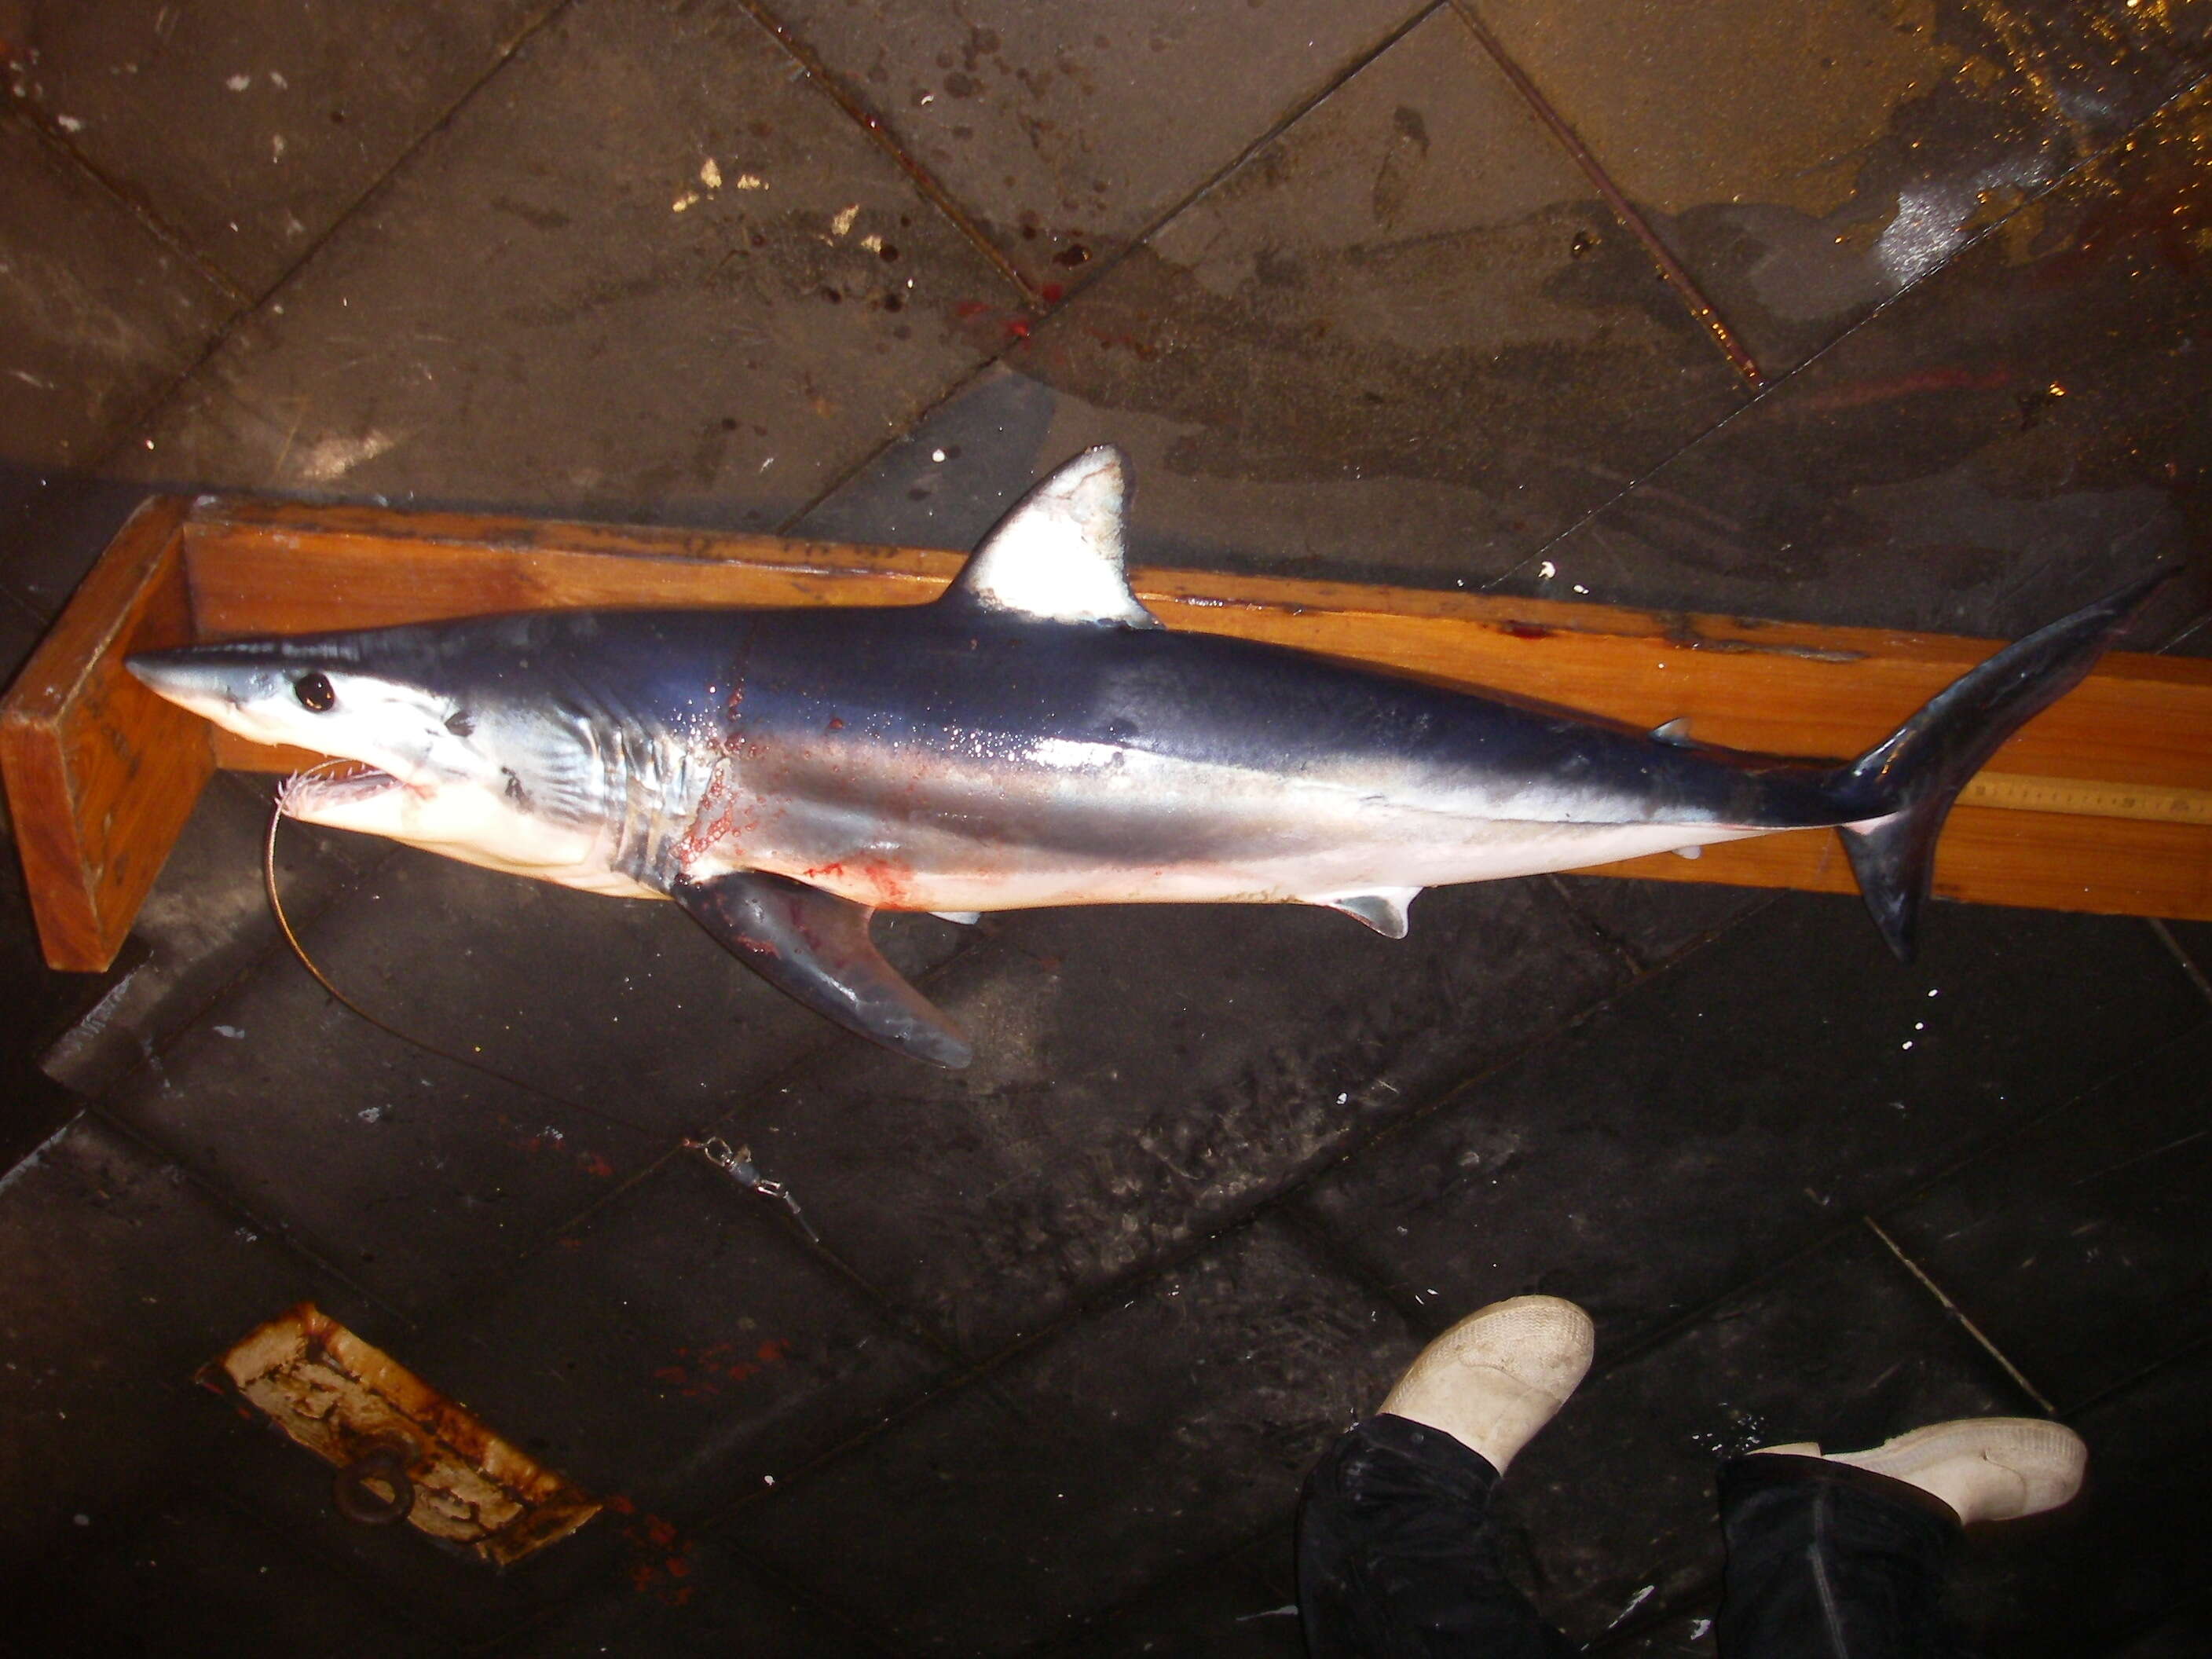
column 332, row 787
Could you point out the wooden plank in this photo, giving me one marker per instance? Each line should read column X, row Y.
column 1782, row 688
column 2128, row 755
column 2045, row 860
column 101, row 772
column 2138, row 734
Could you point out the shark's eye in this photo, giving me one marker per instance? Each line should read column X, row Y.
column 313, row 691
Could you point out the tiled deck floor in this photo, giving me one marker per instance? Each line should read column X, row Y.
column 1349, row 282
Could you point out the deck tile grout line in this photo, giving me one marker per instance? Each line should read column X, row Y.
column 1298, row 112
column 133, row 430
column 150, row 1057
column 1881, row 309
column 141, row 213
column 1180, row 1572
column 1928, row 1284
column 1701, row 310
column 2008, row 1135
column 1319, row 1239
column 2137, row 1378
column 1103, row 1298
column 2197, row 976
column 220, row 1194
column 832, row 86
column 1048, row 311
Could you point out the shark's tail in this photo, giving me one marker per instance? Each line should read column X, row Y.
column 1906, row 783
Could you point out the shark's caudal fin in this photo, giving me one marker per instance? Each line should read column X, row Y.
column 1057, row 556
column 1906, row 783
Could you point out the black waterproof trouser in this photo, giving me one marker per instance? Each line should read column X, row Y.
column 1397, row 1559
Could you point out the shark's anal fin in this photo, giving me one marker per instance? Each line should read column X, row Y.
column 814, row 946
column 1384, row 909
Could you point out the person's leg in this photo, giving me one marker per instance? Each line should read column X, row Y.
column 1842, row 1555
column 1397, row 1559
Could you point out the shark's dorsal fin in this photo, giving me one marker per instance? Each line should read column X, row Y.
column 1384, row 909
column 1057, row 556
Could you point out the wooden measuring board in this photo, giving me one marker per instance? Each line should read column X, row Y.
column 2088, row 798
column 2103, row 803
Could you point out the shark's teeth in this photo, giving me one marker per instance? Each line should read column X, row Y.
column 327, row 785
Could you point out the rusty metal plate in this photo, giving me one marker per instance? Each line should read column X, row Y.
column 403, row 1450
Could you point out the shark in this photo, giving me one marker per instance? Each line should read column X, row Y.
column 1033, row 736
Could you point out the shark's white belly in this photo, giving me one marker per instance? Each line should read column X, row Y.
column 1022, row 838
column 1500, row 851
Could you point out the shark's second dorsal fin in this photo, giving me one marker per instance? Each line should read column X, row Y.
column 1057, row 556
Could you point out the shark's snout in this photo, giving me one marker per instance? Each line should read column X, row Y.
column 185, row 677
column 242, row 690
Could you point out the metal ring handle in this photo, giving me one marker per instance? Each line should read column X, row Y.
column 384, row 1463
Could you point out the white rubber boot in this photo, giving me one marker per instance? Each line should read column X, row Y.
column 1986, row 1469
column 1499, row 1375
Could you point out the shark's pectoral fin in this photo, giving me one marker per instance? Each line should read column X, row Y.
column 1384, row 909
column 814, row 946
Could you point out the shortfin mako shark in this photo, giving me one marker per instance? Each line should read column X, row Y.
column 1032, row 737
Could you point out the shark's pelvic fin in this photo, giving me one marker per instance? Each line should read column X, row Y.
column 814, row 946
column 1057, row 556
column 1384, row 909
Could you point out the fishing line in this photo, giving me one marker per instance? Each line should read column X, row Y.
column 735, row 1162
column 292, row 938
column 284, row 924
column 269, row 881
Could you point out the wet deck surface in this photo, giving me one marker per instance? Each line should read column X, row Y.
column 1894, row 314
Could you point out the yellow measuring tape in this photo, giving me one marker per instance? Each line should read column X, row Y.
column 2085, row 797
